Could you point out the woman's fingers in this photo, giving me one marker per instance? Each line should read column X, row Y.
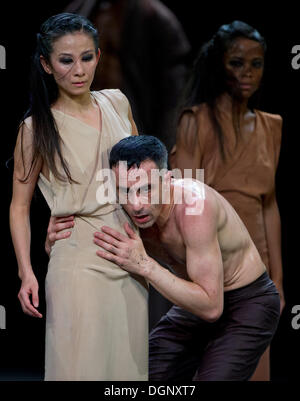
column 35, row 297
column 26, row 305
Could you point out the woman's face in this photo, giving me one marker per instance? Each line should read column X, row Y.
column 73, row 62
column 244, row 65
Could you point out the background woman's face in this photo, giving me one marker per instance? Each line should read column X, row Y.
column 244, row 65
column 73, row 62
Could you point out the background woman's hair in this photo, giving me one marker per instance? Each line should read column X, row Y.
column 208, row 79
column 44, row 91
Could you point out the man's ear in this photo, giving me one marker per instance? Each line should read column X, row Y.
column 45, row 65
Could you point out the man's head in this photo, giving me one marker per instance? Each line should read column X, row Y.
column 137, row 149
column 140, row 165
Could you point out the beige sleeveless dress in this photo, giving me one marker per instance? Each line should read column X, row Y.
column 97, row 313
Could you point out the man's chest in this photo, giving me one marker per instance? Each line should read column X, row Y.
column 167, row 247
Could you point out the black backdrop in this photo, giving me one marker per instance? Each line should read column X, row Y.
column 22, row 341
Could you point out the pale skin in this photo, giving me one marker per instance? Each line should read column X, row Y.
column 72, row 64
column 243, row 63
column 210, row 252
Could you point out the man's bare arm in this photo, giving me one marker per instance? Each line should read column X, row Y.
column 202, row 296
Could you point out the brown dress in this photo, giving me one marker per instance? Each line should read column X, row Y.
column 248, row 172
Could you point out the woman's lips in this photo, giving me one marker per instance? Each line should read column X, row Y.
column 79, row 84
column 245, row 86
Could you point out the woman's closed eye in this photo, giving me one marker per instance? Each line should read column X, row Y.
column 66, row 60
column 69, row 60
column 88, row 57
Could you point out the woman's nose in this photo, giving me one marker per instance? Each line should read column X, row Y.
column 248, row 70
column 78, row 68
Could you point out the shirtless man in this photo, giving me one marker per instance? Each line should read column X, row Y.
column 226, row 307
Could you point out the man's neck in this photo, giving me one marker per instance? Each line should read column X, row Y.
column 166, row 210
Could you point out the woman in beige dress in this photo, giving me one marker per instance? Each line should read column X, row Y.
column 96, row 313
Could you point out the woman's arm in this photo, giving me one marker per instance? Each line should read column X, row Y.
column 19, row 218
column 273, row 235
column 272, row 218
column 134, row 130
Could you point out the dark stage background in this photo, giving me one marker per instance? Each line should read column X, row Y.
column 22, row 341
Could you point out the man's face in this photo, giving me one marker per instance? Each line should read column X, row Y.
column 139, row 195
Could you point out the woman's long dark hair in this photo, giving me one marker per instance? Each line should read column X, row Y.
column 208, row 79
column 44, row 91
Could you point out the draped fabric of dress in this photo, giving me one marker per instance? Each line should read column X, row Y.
column 96, row 316
column 248, row 173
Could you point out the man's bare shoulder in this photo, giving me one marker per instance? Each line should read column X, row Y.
column 196, row 212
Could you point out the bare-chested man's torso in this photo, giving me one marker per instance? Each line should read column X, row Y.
column 241, row 261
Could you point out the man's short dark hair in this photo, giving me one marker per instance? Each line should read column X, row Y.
column 136, row 149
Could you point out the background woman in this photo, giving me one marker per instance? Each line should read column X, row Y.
column 237, row 146
column 96, row 320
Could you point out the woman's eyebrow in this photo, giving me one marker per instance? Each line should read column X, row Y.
column 71, row 55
